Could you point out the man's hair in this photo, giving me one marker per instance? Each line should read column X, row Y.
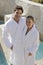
column 31, row 17
column 18, row 8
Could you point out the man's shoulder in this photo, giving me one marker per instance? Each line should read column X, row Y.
column 8, row 22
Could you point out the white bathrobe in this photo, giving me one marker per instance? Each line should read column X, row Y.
column 12, row 36
column 31, row 44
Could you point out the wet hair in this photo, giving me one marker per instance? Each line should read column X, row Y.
column 31, row 17
column 18, row 8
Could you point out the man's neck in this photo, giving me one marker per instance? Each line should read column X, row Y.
column 17, row 21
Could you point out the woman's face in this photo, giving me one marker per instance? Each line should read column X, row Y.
column 29, row 22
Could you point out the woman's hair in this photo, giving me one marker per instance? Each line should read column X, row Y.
column 18, row 8
column 31, row 17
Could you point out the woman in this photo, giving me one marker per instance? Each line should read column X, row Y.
column 30, row 41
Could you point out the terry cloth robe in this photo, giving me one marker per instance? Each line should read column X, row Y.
column 12, row 36
column 31, row 44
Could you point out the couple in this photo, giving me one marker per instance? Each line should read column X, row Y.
column 22, row 37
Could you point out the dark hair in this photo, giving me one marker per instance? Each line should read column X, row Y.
column 31, row 17
column 19, row 8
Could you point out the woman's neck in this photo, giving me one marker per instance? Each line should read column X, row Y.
column 28, row 29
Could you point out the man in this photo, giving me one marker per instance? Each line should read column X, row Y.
column 30, row 41
column 13, row 27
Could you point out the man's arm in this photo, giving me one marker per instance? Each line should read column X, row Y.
column 6, row 37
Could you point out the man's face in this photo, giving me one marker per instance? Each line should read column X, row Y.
column 18, row 14
column 29, row 22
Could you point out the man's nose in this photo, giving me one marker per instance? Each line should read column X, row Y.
column 19, row 15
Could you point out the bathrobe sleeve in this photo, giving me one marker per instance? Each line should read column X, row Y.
column 35, row 46
column 6, row 36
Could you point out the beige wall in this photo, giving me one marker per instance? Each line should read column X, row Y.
column 6, row 6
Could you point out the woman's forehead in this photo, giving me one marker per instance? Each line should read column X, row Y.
column 29, row 19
